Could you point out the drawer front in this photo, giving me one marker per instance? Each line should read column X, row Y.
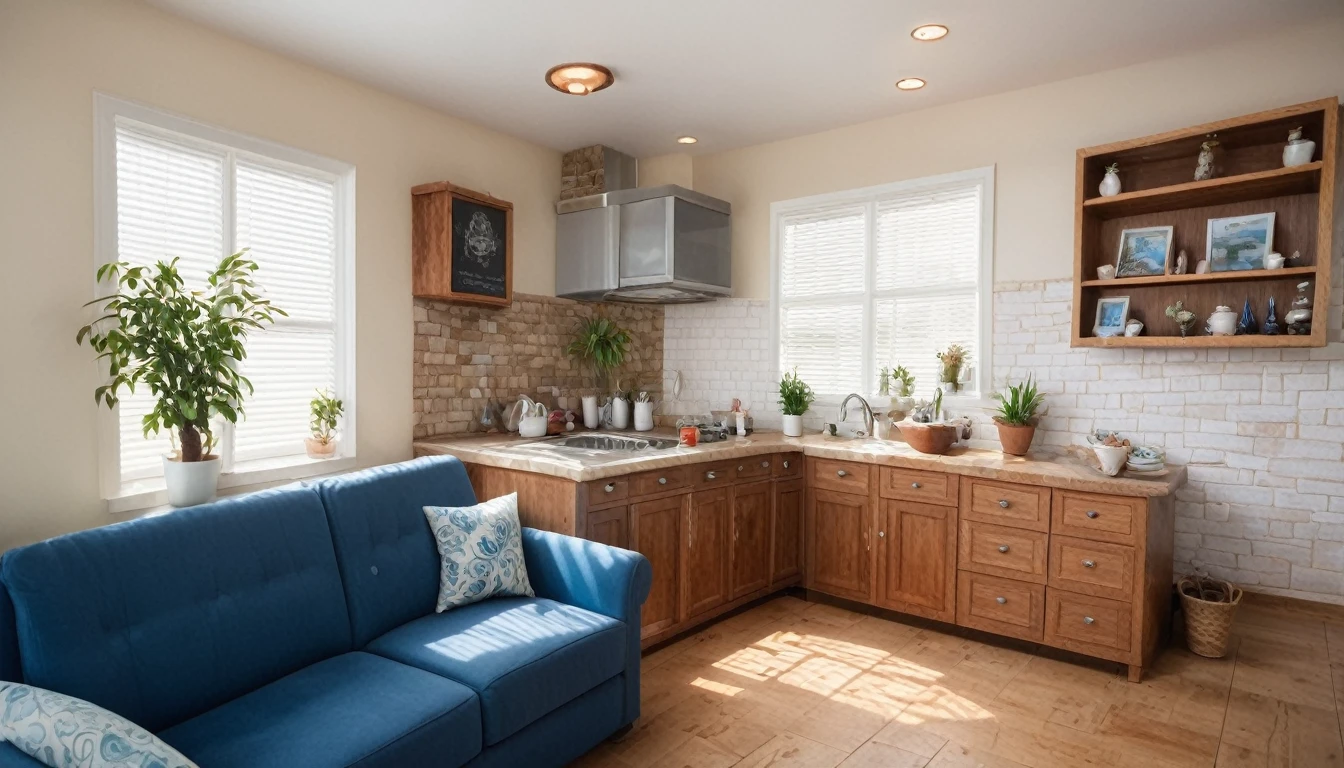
column 753, row 467
column 1091, row 625
column 917, row 485
column 843, row 476
column 1002, row 606
column 659, row 480
column 1092, row 567
column 713, row 475
column 788, row 465
column 1000, row 551
column 609, row 491
column 1011, row 504
column 1103, row 518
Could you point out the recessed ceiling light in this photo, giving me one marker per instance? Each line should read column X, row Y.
column 686, row 139
column 929, row 32
column 579, row 78
column 910, row 84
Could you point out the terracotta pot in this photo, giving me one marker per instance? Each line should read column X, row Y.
column 1015, row 438
column 318, row 450
column 936, row 439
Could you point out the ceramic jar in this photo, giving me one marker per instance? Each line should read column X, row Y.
column 1223, row 322
column 191, row 482
column 793, row 425
column 1110, row 185
column 1106, row 272
column 1298, row 152
column 643, row 416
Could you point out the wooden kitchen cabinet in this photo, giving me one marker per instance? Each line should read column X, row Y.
column 750, row 531
column 839, row 543
column 786, row 562
column 917, row 547
column 656, row 533
column 705, row 553
column 610, row 526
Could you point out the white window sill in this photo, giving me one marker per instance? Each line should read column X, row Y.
column 883, row 404
column 151, row 495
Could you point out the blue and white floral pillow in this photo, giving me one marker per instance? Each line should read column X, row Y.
column 480, row 552
column 64, row 732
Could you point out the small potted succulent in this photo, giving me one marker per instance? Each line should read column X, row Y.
column 325, row 410
column 952, row 361
column 1184, row 318
column 1016, row 417
column 795, row 397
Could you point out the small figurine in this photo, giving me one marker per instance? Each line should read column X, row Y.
column 1274, row 260
column 1182, row 263
column 1207, row 168
column 1183, row 317
column 1298, row 151
column 1202, row 268
column 1134, row 327
column 1299, row 317
column 1106, row 272
column 1110, row 183
column 1223, row 322
column 1247, row 326
column 1271, row 326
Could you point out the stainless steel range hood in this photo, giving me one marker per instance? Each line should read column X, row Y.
column 659, row 245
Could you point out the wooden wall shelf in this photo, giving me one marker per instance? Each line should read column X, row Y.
column 1156, row 173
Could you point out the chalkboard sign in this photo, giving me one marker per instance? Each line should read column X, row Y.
column 461, row 245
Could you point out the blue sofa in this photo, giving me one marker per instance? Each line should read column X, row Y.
column 295, row 627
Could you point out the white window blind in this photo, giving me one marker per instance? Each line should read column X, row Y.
column 883, row 277
column 197, row 200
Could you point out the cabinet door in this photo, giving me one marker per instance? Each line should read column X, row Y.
column 917, row 553
column 655, row 532
column 838, row 553
column 705, row 551
column 609, row 526
column 787, row 560
column 751, row 537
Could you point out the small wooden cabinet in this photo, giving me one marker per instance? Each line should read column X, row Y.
column 705, row 551
column 786, row 562
column 656, row 533
column 752, row 507
column 916, row 555
column 610, row 526
column 838, row 543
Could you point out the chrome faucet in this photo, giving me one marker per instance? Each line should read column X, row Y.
column 867, row 411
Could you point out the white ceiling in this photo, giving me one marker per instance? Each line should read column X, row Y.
column 732, row 72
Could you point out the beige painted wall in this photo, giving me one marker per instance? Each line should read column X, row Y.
column 667, row 169
column 54, row 54
column 1030, row 135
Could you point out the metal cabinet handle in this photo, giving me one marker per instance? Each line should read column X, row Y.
column 710, row 475
column 1092, row 513
column 881, row 534
column 841, row 472
column 914, row 485
column 1089, row 564
column 1088, row 619
column 1001, row 600
column 662, row 481
column 867, row 542
column 609, row 487
column 740, row 467
column 786, row 464
column 1003, row 503
column 765, row 464
column 1003, row 548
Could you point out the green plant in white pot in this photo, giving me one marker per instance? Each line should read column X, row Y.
column 326, row 411
column 795, row 397
column 186, row 347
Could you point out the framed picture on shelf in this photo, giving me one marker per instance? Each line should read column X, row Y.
column 1112, row 314
column 1239, row 242
column 1143, row 252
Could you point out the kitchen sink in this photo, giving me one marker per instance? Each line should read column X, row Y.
column 613, row 443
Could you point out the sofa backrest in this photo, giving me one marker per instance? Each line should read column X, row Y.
column 386, row 552
column 162, row 618
column 10, row 669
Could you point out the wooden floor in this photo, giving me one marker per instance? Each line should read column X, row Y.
column 792, row 684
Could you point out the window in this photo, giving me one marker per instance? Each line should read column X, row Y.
column 881, row 277
column 170, row 187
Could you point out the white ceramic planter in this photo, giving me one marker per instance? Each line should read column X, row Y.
column 191, row 482
column 1299, row 153
column 793, row 426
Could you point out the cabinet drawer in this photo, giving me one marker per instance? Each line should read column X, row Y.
column 712, row 475
column 917, row 485
column 788, row 465
column 1000, row 551
column 608, row 491
column 1091, row 625
column 1002, row 606
column 843, row 476
column 753, row 467
column 1011, row 504
column 1104, row 518
column 659, row 480
column 1092, row 567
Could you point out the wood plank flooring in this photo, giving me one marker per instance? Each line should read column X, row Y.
column 793, row 684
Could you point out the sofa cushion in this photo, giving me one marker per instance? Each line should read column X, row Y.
column 480, row 552
column 162, row 618
column 563, row 735
column 524, row 656
column 388, row 561
column 356, row 709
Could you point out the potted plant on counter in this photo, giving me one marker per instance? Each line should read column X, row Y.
column 795, row 397
column 325, row 410
column 186, row 347
column 1016, row 417
column 951, row 362
column 601, row 345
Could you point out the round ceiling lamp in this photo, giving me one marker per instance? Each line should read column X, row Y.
column 910, row 84
column 686, row 139
column 929, row 32
column 579, row 78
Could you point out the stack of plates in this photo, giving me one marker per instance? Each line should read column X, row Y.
column 1146, row 458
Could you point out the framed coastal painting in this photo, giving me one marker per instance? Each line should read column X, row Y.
column 1239, row 242
column 1143, row 252
column 1112, row 314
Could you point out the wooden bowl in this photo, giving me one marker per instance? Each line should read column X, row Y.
column 936, row 439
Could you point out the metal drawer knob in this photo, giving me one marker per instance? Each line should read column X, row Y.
column 1001, row 600
column 1003, row 548
column 662, row 481
column 710, row 475
column 841, row 473
column 740, row 467
column 1089, row 564
column 915, row 486
column 1092, row 513
column 881, row 534
column 765, row 464
column 786, row 465
column 609, row 487
column 1003, row 503
column 1088, row 619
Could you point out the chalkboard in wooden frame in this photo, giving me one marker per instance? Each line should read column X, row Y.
column 461, row 245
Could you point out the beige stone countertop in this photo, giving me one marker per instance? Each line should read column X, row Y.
column 1069, row 469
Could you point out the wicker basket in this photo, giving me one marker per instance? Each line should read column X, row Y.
column 1209, row 607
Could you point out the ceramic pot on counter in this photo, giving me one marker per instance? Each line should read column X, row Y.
column 1015, row 438
column 793, row 426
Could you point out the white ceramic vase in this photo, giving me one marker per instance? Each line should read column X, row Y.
column 793, row 426
column 1110, row 185
column 620, row 413
column 643, row 417
column 191, row 482
column 590, row 413
column 1298, row 153
column 1223, row 322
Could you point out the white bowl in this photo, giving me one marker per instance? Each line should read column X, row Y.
column 1111, row 457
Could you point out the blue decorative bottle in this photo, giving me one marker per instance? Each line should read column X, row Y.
column 1247, row 324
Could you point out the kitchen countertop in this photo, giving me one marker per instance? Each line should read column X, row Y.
column 1056, row 468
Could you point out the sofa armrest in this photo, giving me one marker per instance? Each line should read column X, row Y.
column 607, row 580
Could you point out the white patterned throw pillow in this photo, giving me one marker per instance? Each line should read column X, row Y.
column 480, row 552
column 64, row 732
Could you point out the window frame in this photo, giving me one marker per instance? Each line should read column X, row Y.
column 870, row 197
column 108, row 113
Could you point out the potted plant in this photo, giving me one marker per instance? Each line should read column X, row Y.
column 952, row 361
column 601, row 345
column 1016, row 417
column 795, row 397
column 325, row 410
column 186, row 347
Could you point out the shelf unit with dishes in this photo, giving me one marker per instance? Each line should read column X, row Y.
column 1155, row 174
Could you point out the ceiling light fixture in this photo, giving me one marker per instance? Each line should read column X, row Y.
column 927, row 33
column 579, row 78
column 686, row 139
column 910, row 84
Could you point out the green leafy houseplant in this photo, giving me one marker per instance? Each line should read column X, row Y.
column 325, row 410
column 795, row 396
column 185, row 346
column 1016, row 416
column 602, row 345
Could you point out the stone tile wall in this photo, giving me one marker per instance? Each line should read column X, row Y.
column 466, row 356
